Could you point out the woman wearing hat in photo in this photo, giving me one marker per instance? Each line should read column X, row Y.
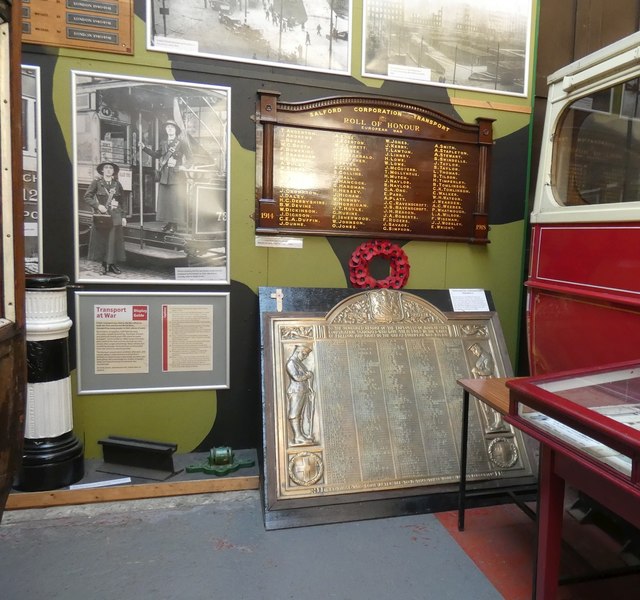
column 105, row 195
column 173, row 156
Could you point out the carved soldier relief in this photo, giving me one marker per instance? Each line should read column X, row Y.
column 300, row 396
column 482, row 369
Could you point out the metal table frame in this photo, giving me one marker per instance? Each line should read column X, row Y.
column 493, row 392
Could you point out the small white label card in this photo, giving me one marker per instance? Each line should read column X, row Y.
column 469, row 300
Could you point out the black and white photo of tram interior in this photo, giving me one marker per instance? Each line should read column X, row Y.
column 167, row 144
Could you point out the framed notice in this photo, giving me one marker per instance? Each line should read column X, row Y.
column 469, row 44
column 132, row 342
column 103, row 25
column 313, row 35
column 363, row 166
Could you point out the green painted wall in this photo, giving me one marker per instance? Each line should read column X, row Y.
column 189, row 418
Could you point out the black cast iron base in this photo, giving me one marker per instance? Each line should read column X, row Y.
column 50, row 463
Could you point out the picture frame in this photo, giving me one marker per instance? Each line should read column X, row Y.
column 170, row 230
column 311, row 35
column 472, row 45
column 32, row 168
column 154, row 341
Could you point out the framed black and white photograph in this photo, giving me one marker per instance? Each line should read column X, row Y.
column 142, row 342
column 469, row 44
column 31, row 169
column 313, row 35
column 151, row 173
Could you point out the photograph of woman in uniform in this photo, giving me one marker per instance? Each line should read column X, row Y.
column 169, row 143
column 106, row 196
column 174, row 155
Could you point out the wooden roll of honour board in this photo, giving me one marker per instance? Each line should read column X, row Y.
column 370, row 167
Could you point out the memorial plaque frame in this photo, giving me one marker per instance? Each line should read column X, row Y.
column 304, row 481
column 370, row 167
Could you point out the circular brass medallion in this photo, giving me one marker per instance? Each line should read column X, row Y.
column 503, row 452
column 305, row 468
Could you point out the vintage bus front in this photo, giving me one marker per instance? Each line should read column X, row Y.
column 583, row 287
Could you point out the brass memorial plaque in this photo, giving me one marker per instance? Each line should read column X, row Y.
column 362, row 166
column 364, row 401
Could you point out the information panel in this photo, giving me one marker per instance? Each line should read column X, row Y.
column 368, row 167
column 103, row 25
column 153, row 341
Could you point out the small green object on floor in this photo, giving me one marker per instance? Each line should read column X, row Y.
column 221, row 461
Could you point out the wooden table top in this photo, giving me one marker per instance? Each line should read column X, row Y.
column 492, row 391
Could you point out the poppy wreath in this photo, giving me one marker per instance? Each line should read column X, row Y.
column 365, row 253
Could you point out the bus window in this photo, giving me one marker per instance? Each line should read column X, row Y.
column 596, row 151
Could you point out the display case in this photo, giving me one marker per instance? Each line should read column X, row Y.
column 588, row 424
column 593, row 414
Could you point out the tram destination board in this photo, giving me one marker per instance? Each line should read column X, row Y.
column 367, row 167
column 100, row 25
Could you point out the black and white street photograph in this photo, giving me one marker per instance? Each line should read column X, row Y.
column 470, row 44
column 31, row 168
column 302, row 34
column 151, row 168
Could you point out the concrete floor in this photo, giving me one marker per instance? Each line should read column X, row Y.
column 214, row 546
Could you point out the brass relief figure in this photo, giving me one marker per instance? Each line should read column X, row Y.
column 484, row 363
column 483, row 369
column 477, row 330
column 386, row 307
column 300, row 396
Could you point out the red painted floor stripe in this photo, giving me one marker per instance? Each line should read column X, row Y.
column 500, row 541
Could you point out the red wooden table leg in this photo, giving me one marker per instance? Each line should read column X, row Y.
column 550, row 515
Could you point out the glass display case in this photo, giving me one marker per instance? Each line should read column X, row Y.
column 588, row 425
column 593, row 414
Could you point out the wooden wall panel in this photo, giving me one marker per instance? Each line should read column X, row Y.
column 571, row 29
column 601, row 22
column 555, row 40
